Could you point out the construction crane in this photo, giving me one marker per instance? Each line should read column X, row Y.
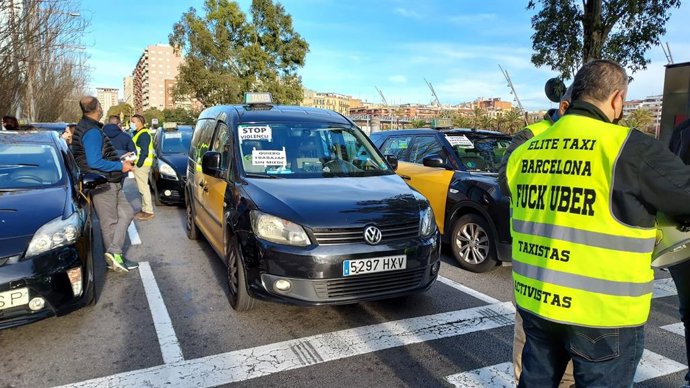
column 385, row 103
column 512, row 91
column 433, row 93
column 667, row 52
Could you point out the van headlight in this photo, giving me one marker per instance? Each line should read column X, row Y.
column 278, row 230
column 166, row 170
column 55, row 234
column 427, row 224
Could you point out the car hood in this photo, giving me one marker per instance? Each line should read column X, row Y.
column 23, row 212
column 337, row 202
column 177, row 161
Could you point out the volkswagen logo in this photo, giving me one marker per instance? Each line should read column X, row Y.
column 372, row 235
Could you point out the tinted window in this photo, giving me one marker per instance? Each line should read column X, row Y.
column 478, row 152
column 175, row 142
column 424, row 146
column 220, row 144
column 201, row 139
column 24, row 166
column 307, row 150
column 397, row 146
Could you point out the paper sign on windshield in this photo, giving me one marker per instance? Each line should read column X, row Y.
column 175, row 135
column 461, row 141
column 269, row 157
column 255, row 132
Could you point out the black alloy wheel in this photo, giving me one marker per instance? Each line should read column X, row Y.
column 240, row 300
column 473, row 244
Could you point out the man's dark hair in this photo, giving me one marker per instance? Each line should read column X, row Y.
column 114, row 119
column 88, row 104
column 11, row 122
column 141, row 118
column 598, row 79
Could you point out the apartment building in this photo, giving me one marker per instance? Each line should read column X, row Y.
column 107, row 98
column 650, row 103
column 333, row 101
column 128, row 87
column 158, row 64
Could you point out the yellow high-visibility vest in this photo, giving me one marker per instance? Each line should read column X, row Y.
column 539, row 127
column 573, row 261
column 149, row 158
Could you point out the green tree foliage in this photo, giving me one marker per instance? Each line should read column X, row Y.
column 460, row 121
column 226, row 54
column 179, row 115
column 154, row 113
column 569, row 33
column 123, row 110
column 418, row 123
column 513, row 121
column 642, row 119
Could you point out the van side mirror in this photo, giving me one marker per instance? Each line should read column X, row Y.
column 210, row 164
column 91, row 180
column 392, row 162
column 434, row 161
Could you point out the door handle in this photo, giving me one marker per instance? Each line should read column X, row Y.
column 405, row 177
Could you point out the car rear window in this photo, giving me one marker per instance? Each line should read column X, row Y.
column 478, row 152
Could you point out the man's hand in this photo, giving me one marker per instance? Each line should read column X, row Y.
column 684, row 227
column 127, row 166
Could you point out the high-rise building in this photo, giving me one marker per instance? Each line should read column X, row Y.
column 156, row 65
column 107, row 97
column 128, row 83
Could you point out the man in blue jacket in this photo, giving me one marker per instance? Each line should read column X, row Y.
column 120, row 140
column 94, row 152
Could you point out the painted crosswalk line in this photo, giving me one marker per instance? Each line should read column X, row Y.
column 133, row 234
column 676, row 328
column 651, row 366
column 265, row 360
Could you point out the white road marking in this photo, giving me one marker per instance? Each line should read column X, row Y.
column 130, row 175
column 676, row 328
column 654, row 365
column 133, row 234
column 494, row 376
column 664, row 287
column 170, row 346
column 467, row 290
column 265, row 360
column 651, row 366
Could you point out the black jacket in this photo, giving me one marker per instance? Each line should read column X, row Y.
column 647, row 177
column 680, row 141
column 109, row 152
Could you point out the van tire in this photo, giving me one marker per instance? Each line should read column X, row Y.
column 473, row 244
column 239, row 297
column 190, row 227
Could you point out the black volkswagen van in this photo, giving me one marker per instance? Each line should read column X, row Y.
column 303, row 209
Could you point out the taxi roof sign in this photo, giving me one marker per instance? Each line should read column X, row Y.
column 258, row 98
column 169, row 125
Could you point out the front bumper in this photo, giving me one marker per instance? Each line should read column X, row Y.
column 170, row 191
column 45, row 276
column 316, row 273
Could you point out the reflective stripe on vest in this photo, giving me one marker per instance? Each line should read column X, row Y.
column 539, row 127
column 149, row 158
column 573, row 261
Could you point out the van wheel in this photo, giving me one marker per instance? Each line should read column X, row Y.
column 473, row 245
column 240, row 300
column 190, row 228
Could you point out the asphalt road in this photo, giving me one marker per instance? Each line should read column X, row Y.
column 169, row 324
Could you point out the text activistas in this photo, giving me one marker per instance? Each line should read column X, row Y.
column 560, row 198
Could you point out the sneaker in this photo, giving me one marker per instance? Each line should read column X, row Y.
column 130, row 264
column 143, row 216
column 115, row 262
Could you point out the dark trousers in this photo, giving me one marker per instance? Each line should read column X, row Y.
column 601, row 357
column 681, row 276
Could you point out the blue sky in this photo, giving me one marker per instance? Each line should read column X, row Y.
column 357, row 45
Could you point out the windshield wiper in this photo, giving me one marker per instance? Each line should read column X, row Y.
column 255, row 175
column 19, row 165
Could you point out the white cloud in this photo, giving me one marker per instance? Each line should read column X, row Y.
column 398, row 79
column 408, row 13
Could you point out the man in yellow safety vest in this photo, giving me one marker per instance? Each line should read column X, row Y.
column 584, row 196
column 142, row 166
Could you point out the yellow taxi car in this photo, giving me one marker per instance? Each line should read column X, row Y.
column 456, row 170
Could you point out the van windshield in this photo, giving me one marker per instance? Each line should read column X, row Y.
column 307, row 150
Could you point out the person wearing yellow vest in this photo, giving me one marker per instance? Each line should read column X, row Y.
column 551, row 116
column 585, row 193
column 142, row 166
